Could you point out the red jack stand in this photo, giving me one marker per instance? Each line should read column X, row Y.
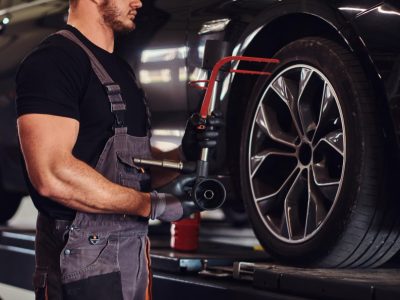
column 185, row 233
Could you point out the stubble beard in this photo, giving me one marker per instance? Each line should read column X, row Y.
column 112, row 17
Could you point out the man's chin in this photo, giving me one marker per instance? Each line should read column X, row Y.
column 123, row 28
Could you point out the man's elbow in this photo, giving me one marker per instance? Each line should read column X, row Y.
column 48, row 176
column 46, row 186
column 44, row 189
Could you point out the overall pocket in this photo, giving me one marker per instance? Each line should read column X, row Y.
column 80, row 258
column 130, row 174
column 89, row 267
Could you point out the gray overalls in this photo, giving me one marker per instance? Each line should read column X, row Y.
column 101, row 256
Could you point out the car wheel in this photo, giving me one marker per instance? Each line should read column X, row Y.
column 9, row 203
column 312, row 163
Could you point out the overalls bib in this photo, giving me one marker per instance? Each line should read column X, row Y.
column 106, row 256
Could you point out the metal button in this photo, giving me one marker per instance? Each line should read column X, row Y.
column 67, row 252
column 72, row 228
column 94, row 239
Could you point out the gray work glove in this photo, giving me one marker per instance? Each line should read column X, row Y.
column 172, row 202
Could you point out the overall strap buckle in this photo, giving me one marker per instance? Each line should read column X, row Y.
column 118, row 105
column 112, row 89
column 119, row 116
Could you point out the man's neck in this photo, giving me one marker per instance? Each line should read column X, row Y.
column 91, row 25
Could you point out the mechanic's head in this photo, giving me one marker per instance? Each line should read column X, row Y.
column 117, row 14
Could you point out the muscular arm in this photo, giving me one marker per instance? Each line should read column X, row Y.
column 47, row 142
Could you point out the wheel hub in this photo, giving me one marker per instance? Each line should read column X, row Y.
column 305, row 154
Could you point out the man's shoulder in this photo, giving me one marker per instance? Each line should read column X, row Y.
column 52, row 79
column 56, row 49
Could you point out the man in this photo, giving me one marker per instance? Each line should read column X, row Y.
column 93, row 201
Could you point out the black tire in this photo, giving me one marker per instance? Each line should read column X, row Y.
column 9, row 203
column 337, row 155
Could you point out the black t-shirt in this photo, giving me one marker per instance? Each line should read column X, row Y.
column 57, row 79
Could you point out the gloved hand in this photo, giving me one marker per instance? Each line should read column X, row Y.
column 172, row 202
column 195, row 139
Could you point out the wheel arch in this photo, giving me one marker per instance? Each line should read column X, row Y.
column 267, row 39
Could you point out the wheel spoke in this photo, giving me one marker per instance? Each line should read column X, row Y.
column 269, row 125
column 288, row 92
column 328, row 114
column 305, row 101
column 316, row 207
column 322, row 176
column 334, row 140
column 292, row 206
column 267, row 202
column 305, row 76
column 285, row 229
column 329, row 190
column 326, row 184
column 283, row 189
column 257, row 160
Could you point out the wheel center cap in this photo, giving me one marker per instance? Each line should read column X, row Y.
column 305, row 153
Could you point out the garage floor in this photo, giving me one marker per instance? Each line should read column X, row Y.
column 8, row 292
column 263, row 279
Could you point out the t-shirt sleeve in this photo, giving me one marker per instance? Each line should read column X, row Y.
column 49, row 82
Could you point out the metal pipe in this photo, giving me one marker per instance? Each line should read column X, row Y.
column 214, row 98
column 205, row 151
column 204, row 154
column 177, row 165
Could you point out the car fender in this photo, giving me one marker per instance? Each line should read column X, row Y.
column 342, row 28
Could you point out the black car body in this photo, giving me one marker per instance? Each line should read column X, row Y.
column 336, row 208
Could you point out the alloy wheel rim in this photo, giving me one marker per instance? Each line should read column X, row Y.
column 297, row 153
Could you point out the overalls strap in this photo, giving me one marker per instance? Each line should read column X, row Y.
column 113, row 90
